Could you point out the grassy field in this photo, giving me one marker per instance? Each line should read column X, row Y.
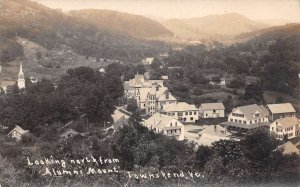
column 52, row 64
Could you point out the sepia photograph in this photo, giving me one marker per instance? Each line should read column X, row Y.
column 149, row 93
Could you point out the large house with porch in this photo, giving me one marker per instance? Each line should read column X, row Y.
column 166, row 125
column 281, row 110
column 182, row 111
column 247, row 117
column 289, row 126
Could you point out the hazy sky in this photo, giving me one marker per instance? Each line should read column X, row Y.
column 254, row 9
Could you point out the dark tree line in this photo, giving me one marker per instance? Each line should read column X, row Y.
column 81, row 91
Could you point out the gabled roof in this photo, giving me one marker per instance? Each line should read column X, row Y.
column 250, row 110
column 289, row 148
column 120, row 123
column 19, row 130
column 212, row 106
column 288, row 121
column 161, row 120
column 143, row 93
column 163, row 97
column 281, row 108
column 179, row 107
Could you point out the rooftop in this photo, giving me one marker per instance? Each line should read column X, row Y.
column 160, row 120
column 288, row 121
column 250, row 110
column 281, row 108
column 20, row 130
column 244, row 126
column 181, row 106
column 212, row 106
column 289, row 148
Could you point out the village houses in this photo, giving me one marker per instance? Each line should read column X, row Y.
column 182, row 111
column 157, row 98
column 212, row 110
column 281, row 110
column 288, row 126
column 248, row 117
column 164, row 124
column 132, row 86
column 151, row 95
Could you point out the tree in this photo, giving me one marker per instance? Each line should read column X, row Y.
column 259, row 146
column 280, row 99
column 8, row 173
column 203, row 155
column 132, row 105
column 38, row 55
column 125, row 147
column 254, row 91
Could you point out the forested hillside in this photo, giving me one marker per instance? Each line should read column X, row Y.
column 133, row 25
column 52, row 28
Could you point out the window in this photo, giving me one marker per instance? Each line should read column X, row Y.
column 235, row 120
column 272, row 128
column 240, row 121
column 214, row 111
column 186, row 113
column 195, row 113
column 244, row 122
column 175, row 123
column 231, row 119
column 256, row 115
column 238, row 115
column 191, row 118
column 191, row 113
column 179, row 113
column 171, row 124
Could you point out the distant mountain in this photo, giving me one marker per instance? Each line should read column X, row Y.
column 271, row 33
column 134, row 25
column 52, row 28
column 212, row 27
column 274, row 22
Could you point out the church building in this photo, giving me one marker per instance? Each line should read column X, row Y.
column 21, row 78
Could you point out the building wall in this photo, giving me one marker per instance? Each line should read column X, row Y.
column 243, row 120
column 280, row 131
column 273, row 117
column 151, row 105
column 186, row 116
column 213, row 114
column 177, row 130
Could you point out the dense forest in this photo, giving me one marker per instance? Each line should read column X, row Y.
column 52, row 28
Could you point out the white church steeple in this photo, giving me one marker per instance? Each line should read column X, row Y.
column 21, row 79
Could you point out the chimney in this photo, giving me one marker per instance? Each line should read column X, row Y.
column 157, row 88
column 167, row 94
